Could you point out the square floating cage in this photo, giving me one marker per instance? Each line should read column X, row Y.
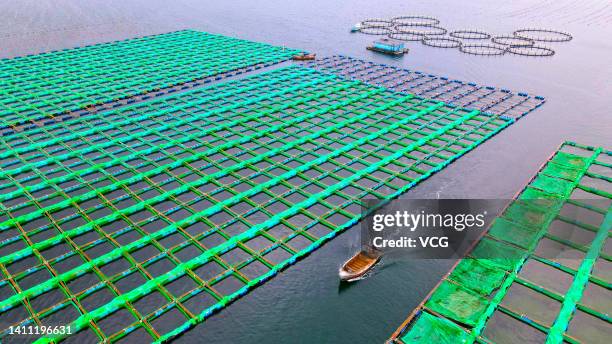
column 465, row 94
column 172, row 208
column 533, row 277
column 46, row 86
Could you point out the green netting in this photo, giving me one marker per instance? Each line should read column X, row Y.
column 513, row 233
column 569, row 160
column 478, row 276
column 574, row 295
column 526, row 214
column 553, row 185
column 541, row 198
column 498, row 254
column 554, row 294
column 47, row 85
column 145, row 220
column 454, row 301
column 430, row 329
column 553, row 169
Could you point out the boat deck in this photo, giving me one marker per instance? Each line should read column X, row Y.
column 358, row 265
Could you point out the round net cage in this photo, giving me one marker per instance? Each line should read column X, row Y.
column 376, row 22
column 376, row 30
column 469, row 34
column 423, row 30
column 543, row 35
column 483, row 49
column 415, row 20
column 407, row 37
column 513, row 41
column 531, row 51
column 441, row 42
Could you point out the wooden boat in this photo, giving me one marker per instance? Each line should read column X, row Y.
column 358, row 265
column 304, row 57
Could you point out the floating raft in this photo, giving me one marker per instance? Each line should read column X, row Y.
column 140, row 222
column 543, row 271
column 46, row 86
column 469, row 95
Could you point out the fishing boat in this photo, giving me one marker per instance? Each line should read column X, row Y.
column 389, row 47
column 354, row 268
column 304, row 57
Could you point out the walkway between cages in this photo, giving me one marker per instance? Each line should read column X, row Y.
column 192, row 199
column 543, row 271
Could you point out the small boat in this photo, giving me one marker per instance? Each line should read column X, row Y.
column 304, row 57
column 358, row 265
column 389, row 47
column 356, row 28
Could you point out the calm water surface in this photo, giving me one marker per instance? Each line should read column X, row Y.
column 305, row 303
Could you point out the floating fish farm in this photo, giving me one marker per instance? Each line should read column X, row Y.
column 138, row 220
column 200, row 196
column 502, row 102
column 542, row 272
column 427, row 30
column 44, row 86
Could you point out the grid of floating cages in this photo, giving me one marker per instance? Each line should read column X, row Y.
column 469, row 95
column 543, row 271
column 138, row 223
column 43, row 86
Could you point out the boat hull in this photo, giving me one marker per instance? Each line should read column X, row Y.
column 388, row 52
column 357, row 266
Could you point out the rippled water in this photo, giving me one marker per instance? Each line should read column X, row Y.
column 305, row 303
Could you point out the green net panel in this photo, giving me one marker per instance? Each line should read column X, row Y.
column 138, row 223
column 46, row 86
column 429, row 329
column 543, row 271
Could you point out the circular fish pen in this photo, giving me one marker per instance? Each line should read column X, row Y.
column 415, row 20
column 531, row 51
column 407, row 37
column 483, row 49
column 422, row 30
column 513, row 41
column 376, row 30
column 469, row 34
column 376, row 22
column 428, row 31
column 543, row 35
column 441, row 42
